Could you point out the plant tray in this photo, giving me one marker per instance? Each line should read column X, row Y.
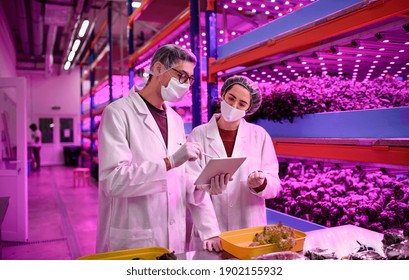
column 148, row 253
column 236, row 243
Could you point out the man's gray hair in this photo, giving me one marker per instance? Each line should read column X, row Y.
column 171, row 55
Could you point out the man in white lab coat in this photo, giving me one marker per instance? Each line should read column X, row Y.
column 143, row 185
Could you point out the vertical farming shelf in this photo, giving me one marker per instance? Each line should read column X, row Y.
column 318, row 39
column 181, row 30
column 101, row 84
column 354, row 40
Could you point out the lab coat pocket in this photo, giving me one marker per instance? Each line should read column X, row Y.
column 130, row 238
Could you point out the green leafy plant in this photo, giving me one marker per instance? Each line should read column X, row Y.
column 279, row 107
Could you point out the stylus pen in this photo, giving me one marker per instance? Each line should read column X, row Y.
column 203, row 153
column 207, row 155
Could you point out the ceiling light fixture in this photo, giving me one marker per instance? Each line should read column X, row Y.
column 67, row 65
column 76, row 45
column 136, row 4
column 71, row 56
column 83, row 29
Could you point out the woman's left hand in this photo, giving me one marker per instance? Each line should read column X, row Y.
column 213, row 243
column 256, row 179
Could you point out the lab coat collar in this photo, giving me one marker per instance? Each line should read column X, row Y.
column 241, row 144
column 149, row 121
column 216, row 143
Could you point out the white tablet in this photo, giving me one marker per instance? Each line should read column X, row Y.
column 217, row 166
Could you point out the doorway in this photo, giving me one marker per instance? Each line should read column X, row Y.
column 13, row 158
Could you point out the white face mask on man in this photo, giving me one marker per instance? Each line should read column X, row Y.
column 229, row 113
column 175, row 91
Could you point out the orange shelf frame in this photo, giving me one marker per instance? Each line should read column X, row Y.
column 86, row 135
column 182, row 18
column 137, row 13
column 100, row 56
column 98, row 111
column 370, row 154
column 84, row 116
column 85, row 96
column 374, row 12
column 87, row 155
column 99, row 33
column 96, row 38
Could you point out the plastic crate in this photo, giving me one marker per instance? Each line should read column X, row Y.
column 148, row 253
column 236, row 243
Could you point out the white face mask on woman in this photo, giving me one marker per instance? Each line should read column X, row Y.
column 229, row 113
column 175, row 91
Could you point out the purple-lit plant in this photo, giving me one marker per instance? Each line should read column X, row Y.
column 315, row 94
column 333, row 197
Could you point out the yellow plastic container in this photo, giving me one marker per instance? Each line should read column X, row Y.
column 236, row 243
column 148, row 253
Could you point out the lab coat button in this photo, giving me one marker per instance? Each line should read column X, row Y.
column 172, row 221
column 231, row 205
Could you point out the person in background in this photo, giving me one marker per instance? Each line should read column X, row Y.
column 36, row 146
column 241, row 203
column 143, row 185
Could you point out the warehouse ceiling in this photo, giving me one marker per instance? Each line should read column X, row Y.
column 42, row 29
column 44, row 32
column 378, row 49
column 367, row 53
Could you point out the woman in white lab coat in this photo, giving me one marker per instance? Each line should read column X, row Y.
column 142, row 177
column 242, row 203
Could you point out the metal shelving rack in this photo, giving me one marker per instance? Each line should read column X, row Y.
column 191, row 16
column 391, row 153
column 90, row 158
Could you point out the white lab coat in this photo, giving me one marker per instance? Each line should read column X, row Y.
column 140, row 203
column 239, row 206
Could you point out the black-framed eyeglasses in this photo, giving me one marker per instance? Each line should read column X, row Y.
column 183, row 77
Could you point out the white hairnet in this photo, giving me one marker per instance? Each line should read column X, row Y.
column 252, row 87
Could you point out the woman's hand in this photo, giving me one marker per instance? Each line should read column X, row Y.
column 256, row 179
column 213, row 243
column 218, row 184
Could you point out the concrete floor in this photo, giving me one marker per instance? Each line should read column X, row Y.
column 62, row 220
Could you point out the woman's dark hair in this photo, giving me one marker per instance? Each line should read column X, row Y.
column 33, row 126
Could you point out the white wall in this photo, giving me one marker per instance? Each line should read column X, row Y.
column 46, row 92
column 7, row 48
column 43, row 93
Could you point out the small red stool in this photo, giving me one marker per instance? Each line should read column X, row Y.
column 81, row 176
